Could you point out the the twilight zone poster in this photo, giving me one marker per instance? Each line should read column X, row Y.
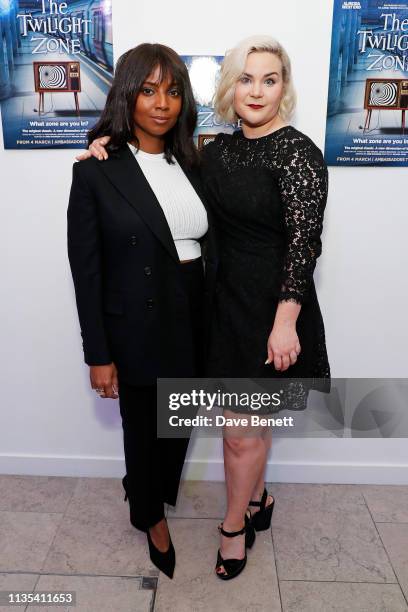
column 368, row 88
column 56, row 67
column 204, row 71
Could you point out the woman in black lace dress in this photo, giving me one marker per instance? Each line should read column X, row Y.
column 268, row 195
column 267, row 186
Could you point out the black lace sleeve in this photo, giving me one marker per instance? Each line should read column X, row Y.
column 303, row 183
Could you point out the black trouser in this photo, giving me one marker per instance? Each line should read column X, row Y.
column 154, row 465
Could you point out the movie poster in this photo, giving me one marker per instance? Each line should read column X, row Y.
column 368, row 87
column 204, row 73
column 56, row 67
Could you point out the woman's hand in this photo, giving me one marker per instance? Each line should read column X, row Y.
column 104, row 379
column 96, row 148
column 283, row 343
column 283, row 346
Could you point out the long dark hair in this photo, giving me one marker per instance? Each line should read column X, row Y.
column 132, row 69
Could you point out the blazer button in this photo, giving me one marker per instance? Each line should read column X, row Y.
column 133, row 240
column 150, row 303
column 148, row 271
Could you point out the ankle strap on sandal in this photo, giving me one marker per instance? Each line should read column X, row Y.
column 231, row 534
column 260, row 504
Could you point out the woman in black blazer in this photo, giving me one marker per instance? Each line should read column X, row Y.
column 140, row 305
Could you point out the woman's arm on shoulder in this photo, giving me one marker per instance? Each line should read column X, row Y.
column 96, row 149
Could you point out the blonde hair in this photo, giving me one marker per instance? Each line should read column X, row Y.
column 233, row 66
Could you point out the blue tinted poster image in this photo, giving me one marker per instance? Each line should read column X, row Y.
column 56, row 67
column 367, row 110
column 204, row 72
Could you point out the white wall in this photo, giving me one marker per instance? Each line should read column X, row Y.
column 50, row 421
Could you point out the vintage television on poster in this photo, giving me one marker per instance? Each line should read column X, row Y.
column 52, row 77
column 368, row 86
column 386, row 94
column 56, row 70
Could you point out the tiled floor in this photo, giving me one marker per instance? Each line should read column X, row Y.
column 332, row 548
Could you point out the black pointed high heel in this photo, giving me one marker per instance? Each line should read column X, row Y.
column 261, row 520
column 164, row 561
column 233, row 567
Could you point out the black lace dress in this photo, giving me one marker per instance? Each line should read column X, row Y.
column 267, row 197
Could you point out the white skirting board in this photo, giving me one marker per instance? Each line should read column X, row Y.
column 213, row 470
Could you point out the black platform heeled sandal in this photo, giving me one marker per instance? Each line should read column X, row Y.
column 233, row 567
column 250, row 534
column 261, row 520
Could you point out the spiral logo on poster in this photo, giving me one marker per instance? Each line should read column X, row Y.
column 383, row 94
column 52, row 77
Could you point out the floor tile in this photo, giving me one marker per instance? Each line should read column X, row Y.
column 325, row 546
column 36, row 493
column 102, row 499
column 195, row 585
column 387, row 503
column 341, row 597
column 328, row 545
column 101, row 593
column 25, row 538
column 395, row 540
column 16, row 582
column 199, row 499
column 95, row 547
column 322, row 497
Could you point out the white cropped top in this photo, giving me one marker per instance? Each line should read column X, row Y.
column 183, row 209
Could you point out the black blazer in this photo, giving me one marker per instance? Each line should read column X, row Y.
column 132, row 306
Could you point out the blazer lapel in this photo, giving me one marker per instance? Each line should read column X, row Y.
column 126, row 175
